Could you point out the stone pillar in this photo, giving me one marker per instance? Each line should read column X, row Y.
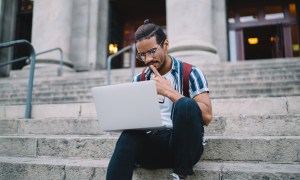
column 102, row 38
column 220, row 29
column 189, row 29
column 84, row 34
column 89, row 34
column 8, row 10
column 52, row 28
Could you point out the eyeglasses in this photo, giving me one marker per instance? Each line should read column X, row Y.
column 150, row 52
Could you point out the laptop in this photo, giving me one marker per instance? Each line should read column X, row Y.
column 127, row 106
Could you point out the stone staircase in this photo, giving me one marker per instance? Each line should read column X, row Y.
column 239, row 80
column 255, row 132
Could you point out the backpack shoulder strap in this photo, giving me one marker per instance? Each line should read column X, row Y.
column 142, row 76
column 187, row 68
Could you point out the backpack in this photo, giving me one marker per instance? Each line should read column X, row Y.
column 187, row 68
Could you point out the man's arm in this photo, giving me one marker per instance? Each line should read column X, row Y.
column 164, row 88
column 203, row 101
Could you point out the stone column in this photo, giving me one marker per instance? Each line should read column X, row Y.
column 52, row 28
column 102, row 39
column 8, row 10
column 220, row 29
column 89, row 34
column 189, row 29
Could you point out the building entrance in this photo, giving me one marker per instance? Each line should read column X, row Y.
column 263, row 29
column 264, row 42
column 22, row 31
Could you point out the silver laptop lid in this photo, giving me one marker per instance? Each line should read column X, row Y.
column 127, row 106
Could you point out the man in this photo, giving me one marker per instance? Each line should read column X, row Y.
column 180, row 145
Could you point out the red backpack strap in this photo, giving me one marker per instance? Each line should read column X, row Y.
column 187, row 68
column 142, row 76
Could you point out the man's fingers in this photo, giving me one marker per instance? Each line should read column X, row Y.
column 155, row 71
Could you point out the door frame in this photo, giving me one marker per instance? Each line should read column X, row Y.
column 285, row 23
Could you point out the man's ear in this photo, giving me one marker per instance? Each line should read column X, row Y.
column 166, row 44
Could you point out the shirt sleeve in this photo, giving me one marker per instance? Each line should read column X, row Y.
column 136, row 78
column 197, row 83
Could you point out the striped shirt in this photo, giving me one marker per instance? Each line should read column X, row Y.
column 197, row 80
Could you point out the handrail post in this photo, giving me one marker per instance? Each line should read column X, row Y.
column 30, row 82
column 61, row 69
column 108, row 69
column 108, row 62
column 31, row 73
column 132, row 61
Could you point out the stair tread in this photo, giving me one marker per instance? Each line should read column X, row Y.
column 201, row 165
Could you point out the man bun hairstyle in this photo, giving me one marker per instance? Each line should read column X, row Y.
column 148, row 30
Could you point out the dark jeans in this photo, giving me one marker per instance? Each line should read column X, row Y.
column 179, row 148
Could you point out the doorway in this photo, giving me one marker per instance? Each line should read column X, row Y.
column 264, row 42
column 22, row 31
column 263, row 29
column 125, row 17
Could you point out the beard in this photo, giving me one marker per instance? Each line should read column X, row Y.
column 161, row 64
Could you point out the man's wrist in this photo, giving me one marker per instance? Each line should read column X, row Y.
column 173, row 95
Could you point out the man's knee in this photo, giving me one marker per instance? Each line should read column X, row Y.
column 187, row 106
column 128, row 140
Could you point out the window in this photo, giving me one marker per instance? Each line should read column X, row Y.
column 295, row 41
column 273, row 12
column 248, row 15
column 292, row 9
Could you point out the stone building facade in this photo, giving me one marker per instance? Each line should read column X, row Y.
column 206, row 31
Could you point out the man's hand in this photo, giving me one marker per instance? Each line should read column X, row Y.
column 164, row 86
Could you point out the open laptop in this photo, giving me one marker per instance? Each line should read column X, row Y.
column 127, row 106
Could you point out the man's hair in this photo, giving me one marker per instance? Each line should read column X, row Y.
column 148, row 30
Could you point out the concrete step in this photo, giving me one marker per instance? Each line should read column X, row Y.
column 256, row 92
column 253, row 79
column 250, row 65
column 221, row 107
column 79, row 86
column 273, row 149
column 235, row 91
column 218, row 70
column 101, row 77
column 267, row 125
column 88, row 99
column 223, row 66
column 19, row 91
column 19, row 168
column 85, row 96
column 269, row 72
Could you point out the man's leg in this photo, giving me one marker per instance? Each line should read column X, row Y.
column 124, row 157
column 155, row 153
column 186, row 140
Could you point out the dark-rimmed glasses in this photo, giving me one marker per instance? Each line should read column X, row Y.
column 150, row 52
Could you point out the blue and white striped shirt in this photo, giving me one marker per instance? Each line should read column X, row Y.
column 197, row 81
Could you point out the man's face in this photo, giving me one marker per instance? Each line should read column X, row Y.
column 152, row 53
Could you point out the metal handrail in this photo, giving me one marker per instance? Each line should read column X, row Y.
column 31, row 73
column 108, row 61
column 60, row 69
